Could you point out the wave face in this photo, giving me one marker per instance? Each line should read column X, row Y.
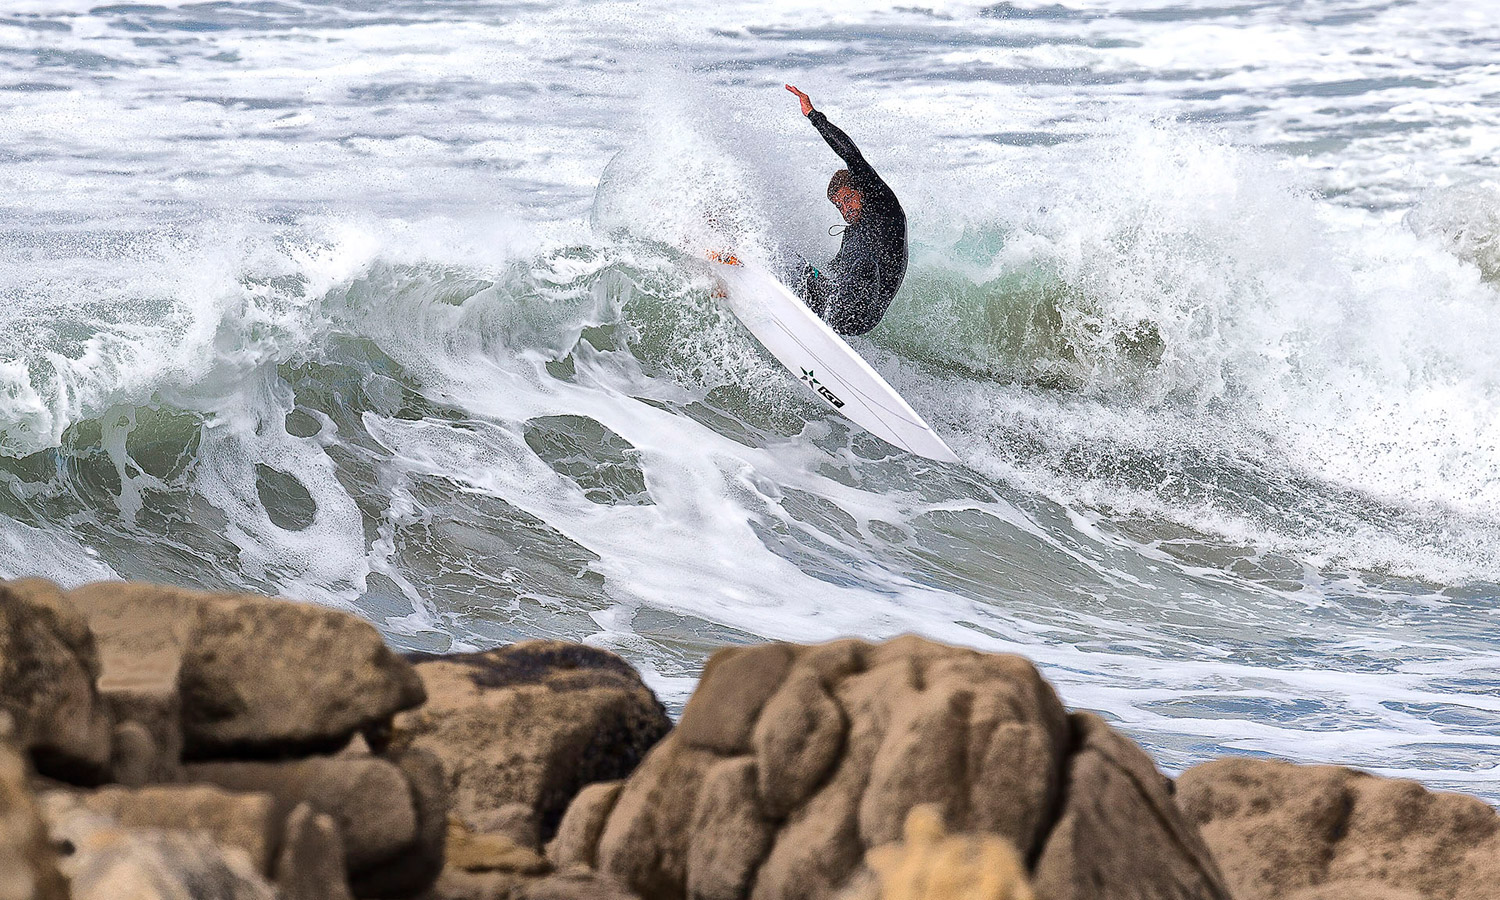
column 386, row 306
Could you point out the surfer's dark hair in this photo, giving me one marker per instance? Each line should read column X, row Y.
column 840, row 180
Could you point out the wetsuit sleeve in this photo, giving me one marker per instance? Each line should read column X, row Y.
column 841, row 145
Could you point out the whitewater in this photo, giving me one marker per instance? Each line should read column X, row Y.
column 386, row 305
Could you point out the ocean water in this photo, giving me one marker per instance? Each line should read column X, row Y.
column 394, row 305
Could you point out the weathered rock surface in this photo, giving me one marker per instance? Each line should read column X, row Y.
column 791, row 762
column 457, row 884
column 490, row 852
column 28, row 865
column 310, row 865
column 524, row 727
column 109, row 862
column 248, row 676
column 245, row 822
column 391, row 817
column 1293, row 832
column 1120, row 835
column 48, row 667
column 930, row 864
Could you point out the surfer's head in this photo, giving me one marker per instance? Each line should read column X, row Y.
column 843, row 194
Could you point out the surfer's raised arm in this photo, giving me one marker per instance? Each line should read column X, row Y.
column 834, row 135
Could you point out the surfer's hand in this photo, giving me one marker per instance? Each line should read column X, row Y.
column 807, row 106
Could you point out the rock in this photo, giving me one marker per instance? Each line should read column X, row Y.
column 107, row 862
column 530, row 724
column 457, row 884
column 254, row 676
column 136, row 759
column 419, row 865
column 245, row 822
column 490, row 852
column 1295, row 832
column 149, row 720
column 516, row 821
column 48, row 666
column 391, row 819
column 791, row 762
column 578, row 835
column 310, row 865
column 570, row 886
column 1120, row 834
column 28, row 865
column 933, row 865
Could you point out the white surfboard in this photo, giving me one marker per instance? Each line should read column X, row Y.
column 819, row 358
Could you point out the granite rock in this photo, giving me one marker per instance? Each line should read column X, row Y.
column 391, row 816
column 1119, row 835
column 1293, row 832
column 526, row 726
column 48, row 669
column 241, row 675
column 790, row 763
column 28, row 864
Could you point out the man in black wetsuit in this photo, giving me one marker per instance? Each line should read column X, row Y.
column 853, row 291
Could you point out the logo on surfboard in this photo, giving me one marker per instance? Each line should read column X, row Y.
column 825, row 393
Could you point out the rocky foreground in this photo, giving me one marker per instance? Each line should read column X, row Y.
column 163, row 743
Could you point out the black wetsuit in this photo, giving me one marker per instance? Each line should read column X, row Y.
column 853, row 291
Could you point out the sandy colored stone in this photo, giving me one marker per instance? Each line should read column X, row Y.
column 48, row 667
column 1119, row 834
column 490, row 852
column 391, row 815
column 1287, row 831
column 930, row 864
column 110, row 862
column 578, row 835
column 255, row 675
column 135, row 757
column 245, row 822
column 310, row 863
column 531, row 724
column 791, row 763
column 458, row 884
column 152, row 710
column 514, row 820
column 419, row 864
column 28, row 865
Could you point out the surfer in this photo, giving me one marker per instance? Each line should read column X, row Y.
column 852, row 292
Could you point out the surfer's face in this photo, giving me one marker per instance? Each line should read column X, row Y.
column 850, row 202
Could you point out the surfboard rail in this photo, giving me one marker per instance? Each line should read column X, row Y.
column 818, row 357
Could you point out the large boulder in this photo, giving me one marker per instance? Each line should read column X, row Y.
column 246, row 823
column 28, row 865
column 48, row 667
column 301, row 851
column 1293, row 832
column 105, row 861
column 522, row 728
column 390, row 814
column 310, row 864
column 791, row 762
column 1119, row 835
column 242, row 675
